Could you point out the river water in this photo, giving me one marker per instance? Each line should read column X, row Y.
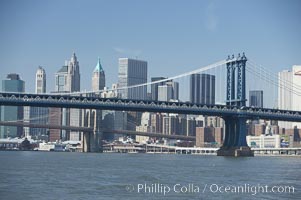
column 57, row 175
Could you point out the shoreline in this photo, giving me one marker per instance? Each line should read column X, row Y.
column 196, row 154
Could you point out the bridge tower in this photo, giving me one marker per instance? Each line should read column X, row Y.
column 235, row 143
column 91, row 141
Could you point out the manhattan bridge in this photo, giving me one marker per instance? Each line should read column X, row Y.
column 235, row 77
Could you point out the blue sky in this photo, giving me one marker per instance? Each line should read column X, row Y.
column 174, row 36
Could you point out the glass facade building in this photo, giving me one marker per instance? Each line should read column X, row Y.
column 12, row 83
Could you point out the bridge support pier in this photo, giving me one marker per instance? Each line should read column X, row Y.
column 235, row 143
column 92, row 141
column 86, row 142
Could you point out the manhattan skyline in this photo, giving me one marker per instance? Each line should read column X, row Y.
column 172, row 36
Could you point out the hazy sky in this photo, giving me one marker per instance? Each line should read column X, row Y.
column 173, row 36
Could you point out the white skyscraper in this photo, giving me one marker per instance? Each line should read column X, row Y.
column 289, row 81
column 296, row 99
column 132, row 72
column 39, row 115
column 40, row 81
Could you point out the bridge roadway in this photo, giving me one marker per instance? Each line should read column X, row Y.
column 86, row 102
column 90, row 130
column 82, row 102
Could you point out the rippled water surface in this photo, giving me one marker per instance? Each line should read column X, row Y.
column 51, row 175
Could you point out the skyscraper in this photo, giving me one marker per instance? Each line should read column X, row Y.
column 132, row 72
column 67, row 79
column 164, row 92
column 170, row 125
column 74, row 75
column 98, row 78
column 98, row 83
column 175, row 89
column 296, row 69
column 39, row 115
column 40, row 80
column 154, row 87
column 285, row 95
column 202, row 88
column 288, row 99
column 284, row 90
column 13, row 83
column 256, row 98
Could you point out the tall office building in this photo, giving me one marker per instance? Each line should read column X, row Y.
column 170, row 125
column 285, row 90
column 167, row 91
column 289, row 83
column 26, row 119
column 157, row 122
column 132, row 72
column 175, row 89
column 39, row 115
column 202, row 88
column 154, row 87
column 98, row 78
column 164, row 93
column 74, row 74
column 297, row 84
column 256, row 98
column 13, row 83
column 67, row 79
column 40, row 80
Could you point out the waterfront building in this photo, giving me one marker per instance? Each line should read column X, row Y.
column 170, row 125
column 108, row 120
column 55, row 117
column 270, row 141
column 296, row 134
column 157, row 122
column 259, row 129
column 191, row 127
column 12, row 83
column 26, row 119
column 202, row 89
column 214, row 121
column 143, row 128
column 209, row 136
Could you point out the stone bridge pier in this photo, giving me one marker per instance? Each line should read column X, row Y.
column 92, row 141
